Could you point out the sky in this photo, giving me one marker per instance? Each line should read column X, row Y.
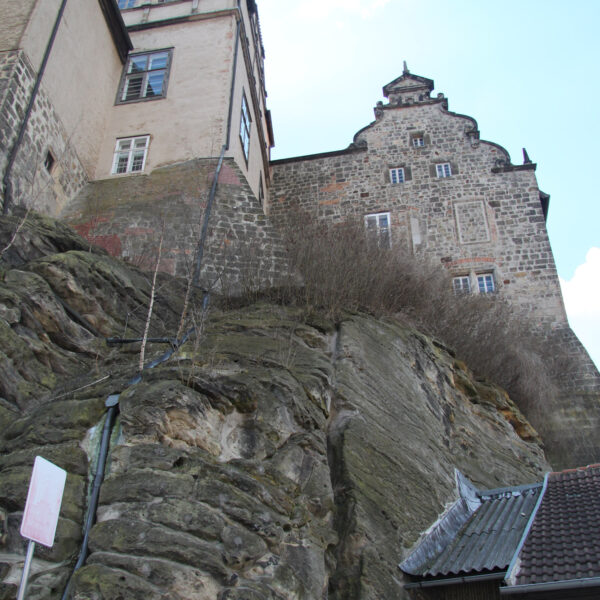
column 526, row 70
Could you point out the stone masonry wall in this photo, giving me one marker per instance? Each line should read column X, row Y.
column 33, row 185
column 485, row 218
column 475, row 221
column 127, row 215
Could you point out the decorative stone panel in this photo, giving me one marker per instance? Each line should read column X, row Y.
column 471, row 222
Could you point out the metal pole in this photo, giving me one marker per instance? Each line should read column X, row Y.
column 26, row 566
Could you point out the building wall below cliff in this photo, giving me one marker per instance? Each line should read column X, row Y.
column 128, row 215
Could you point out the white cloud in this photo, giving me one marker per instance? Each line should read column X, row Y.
column 582, row 301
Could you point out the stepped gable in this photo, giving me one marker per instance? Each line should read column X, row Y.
column 408, row 89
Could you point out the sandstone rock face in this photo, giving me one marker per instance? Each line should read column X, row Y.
column 275, row 455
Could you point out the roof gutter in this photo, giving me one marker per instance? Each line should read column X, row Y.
column 568, row 584
column 454, row 580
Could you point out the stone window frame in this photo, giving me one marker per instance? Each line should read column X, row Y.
column 397, row 175
column 132, row 155
column 461, row 284
column 145, row 74
column 375, row 229
column 443, row 170
column 425, row 140
column 474, row 282
column 486, row 283
column 407, row 174
column 245, row 127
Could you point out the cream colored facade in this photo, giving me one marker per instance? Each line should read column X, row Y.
column 216, row 60
column 81, row 73
column 191, row 120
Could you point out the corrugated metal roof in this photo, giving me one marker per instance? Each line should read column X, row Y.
column 487, row 541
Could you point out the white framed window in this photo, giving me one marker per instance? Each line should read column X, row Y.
column 127, row 3
column 245, row 123
column 485, row 283
column 145, row 76
column 443, row 170
column 418, row 141
column 130, row 155
column 397, row 175
column 378, row 227
column 461, row 285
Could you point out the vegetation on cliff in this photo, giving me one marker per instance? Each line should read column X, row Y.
column 285, row 451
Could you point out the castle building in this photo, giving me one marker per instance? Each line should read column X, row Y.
column 130, row 119
column 117, row 91
column 421, row 177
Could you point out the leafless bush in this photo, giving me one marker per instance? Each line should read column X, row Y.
column 342, row 270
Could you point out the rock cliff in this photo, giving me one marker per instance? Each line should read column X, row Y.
column 274, row 455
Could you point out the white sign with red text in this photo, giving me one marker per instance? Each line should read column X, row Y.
column 43, row 502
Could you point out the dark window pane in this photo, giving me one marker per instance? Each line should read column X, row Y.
column 155, row 84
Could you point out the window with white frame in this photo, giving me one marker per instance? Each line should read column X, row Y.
column 462, row 284
column 130, row 155
column 443, row 170
column 418, row 141
column 378, row 227
column 485, row 283
column 145, row 76
column 245, row 123
column 397, row 175
column 127, row 3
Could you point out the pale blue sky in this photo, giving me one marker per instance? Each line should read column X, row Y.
column 525, row 70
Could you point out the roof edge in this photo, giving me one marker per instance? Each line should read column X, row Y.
column 349, row 150
column 513, row 563
column 117, row 28
column 548, row 586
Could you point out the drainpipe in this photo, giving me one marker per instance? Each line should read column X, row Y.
column 6, row 180
column 213, row 188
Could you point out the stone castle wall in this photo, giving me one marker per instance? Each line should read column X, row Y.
column 486, row 217
column 33, row 185
column 127, row 216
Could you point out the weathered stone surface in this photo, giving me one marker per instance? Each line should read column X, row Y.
column 276, row 456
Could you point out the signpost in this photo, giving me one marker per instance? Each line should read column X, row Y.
column 41, row 510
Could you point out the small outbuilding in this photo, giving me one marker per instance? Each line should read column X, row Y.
column 531, row 542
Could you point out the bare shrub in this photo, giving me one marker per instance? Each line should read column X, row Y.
column 341, row 269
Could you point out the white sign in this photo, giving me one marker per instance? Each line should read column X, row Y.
column 43, row 502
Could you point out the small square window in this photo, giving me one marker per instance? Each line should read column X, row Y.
column 245, row 123
column 418, row 142
column 49, row 161
column 461, row 285
column 485, row 282
column 145, row 77
column 443, row 170
column 378, row 227
column 130, row 155
column 397, row 175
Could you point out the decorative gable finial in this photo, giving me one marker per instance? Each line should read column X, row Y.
column 526, row 159
column 405, row 71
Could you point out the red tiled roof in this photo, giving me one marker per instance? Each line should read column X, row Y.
column 564, row 540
